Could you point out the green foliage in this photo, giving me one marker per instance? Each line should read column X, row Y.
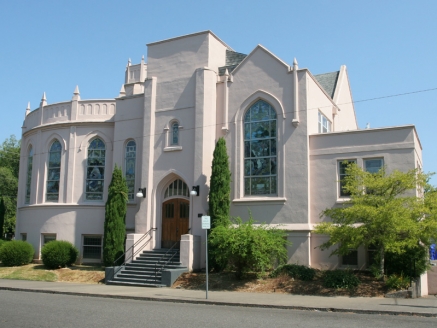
column 2, row 216
column 219, row 197
column 340, row 279
column 245, row 247
column 397, row 282
column 220, row 186
column 295, row 271
column 411, row 263
column 115, row 215
column 16, row 252
column 59, row 254
column 383, row 211
column 2, row 241
column 9, row 166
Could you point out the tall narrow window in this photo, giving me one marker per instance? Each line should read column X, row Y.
column 175, row 133
column 54, row 172
column 29, row 175
column 260, row 156
column 131, row 151
column 342, row 175
column 95, row 173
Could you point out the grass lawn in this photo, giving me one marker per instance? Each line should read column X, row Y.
column 38, row 272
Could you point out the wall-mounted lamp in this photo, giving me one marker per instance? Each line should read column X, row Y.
column 141, row 193
column 195, row 191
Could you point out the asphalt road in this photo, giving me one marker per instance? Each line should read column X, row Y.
column 27, row 309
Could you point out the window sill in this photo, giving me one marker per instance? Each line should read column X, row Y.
column 342, row 200
column 173, row 148
column 258, row 200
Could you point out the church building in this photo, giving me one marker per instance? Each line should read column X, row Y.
column 287, row 132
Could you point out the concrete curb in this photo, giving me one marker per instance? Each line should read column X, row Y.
column 205, row 302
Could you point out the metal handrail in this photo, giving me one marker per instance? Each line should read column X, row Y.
column 148, row 233
column 162, row 266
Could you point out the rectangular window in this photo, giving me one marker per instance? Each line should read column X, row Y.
column 351, row 258
column 24, row 236
column 48, row 237
column 373, row 165
column 342, row 165
column 92, row 248
column 324, row 124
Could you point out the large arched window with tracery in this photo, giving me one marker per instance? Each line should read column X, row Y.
column 129, row 163
column 53, row 172
column 260, row 157
column 95, row 172
column 29, row 174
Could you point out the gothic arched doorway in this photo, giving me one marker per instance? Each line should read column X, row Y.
column 175, row 213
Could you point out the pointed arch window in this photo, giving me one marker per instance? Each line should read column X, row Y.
column 54, row 172
column 260, row 157
column 129, row 162
column 29, row 174
column 95, row 173
column 177, row 188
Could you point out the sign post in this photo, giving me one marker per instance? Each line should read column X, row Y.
column 206, row 224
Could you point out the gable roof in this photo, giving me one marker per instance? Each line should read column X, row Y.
column 232, row 60
column 328, row 81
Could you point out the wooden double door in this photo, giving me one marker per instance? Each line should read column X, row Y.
column 175, row 221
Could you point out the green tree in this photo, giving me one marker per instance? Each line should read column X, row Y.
column 115, row 215
column 9, row 167
column 388, row 212
column 2, row 216
column 219, row 197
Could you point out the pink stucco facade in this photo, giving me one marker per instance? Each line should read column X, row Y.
column 200, row 83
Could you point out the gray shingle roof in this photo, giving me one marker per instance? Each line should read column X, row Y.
column 328, row 81
column 232, row 60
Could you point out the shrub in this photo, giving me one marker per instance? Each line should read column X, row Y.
column 397, row 282
column 340, row 279
column 16, row 252
column 58, row 254
column 244, row 247
column 295, row 271
column 2, row 241
column 412, row 262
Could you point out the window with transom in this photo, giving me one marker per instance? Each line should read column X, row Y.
column 53, row 172
column 260, row 157
column 129, row 161
column 29, row 174
column 177, row 188
column 95, row 173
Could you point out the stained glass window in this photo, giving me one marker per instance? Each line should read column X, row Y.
column 29, row 175
column 175, row 133
column 260, row 173
column 95, row 173
column 54, row 172
column 131, row 151
column 177, row 188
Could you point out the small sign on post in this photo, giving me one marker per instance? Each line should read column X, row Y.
column 206, row 224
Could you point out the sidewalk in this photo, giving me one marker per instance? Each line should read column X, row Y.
column 426, row 306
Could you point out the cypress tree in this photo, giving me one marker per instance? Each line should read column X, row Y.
column 115, row 216
column 220, row 186
column 2, row 217
column 219, row 198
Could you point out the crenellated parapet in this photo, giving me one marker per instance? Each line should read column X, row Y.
column 76, row 110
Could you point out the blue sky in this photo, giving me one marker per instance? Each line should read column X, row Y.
column 389, row 48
